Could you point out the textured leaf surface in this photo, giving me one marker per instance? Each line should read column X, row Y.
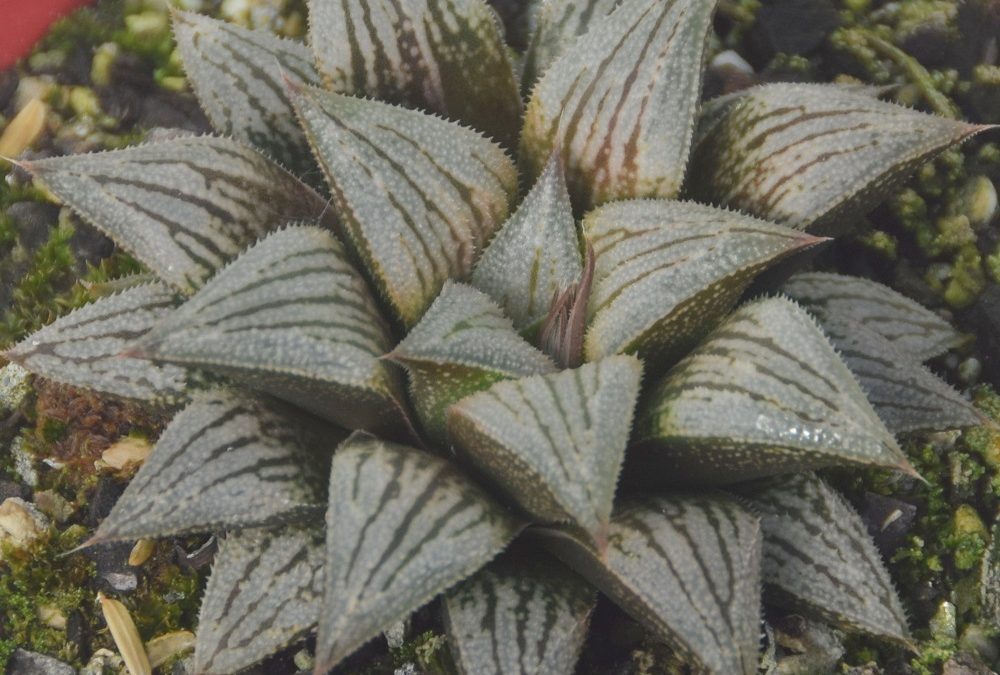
column 184, row 207
column 263, row 594
column 555, row 442
column 403, row 525
column 519, row 615
column 418, row 196
column 765, row 393
column 909, row 326
column 558, row 23
column 293, row 318
column 446, row 56
column 668, row 271
column 535, row 254
column 226, row 460
column 621, row 102
column 907, row 396
column 819, row 558
column 238, row 74
column 463, row 344
column 806, row 156
column 83, row 348
column 688, row 568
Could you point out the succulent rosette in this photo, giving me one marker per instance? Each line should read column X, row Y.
column 391, row 292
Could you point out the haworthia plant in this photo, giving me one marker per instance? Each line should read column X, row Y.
column 519, row 614
column 84, row 348
column 687, row 567
column 463, row 344
column 619, row 102
column 667, row 271
column 554, row 442
column 238, row 625
column 817, row 554
column 509, row 367
column 403, row 526
column 239, row 77
column 446, row 57
column 184, row 207
column 764, row 393
column 909, row 326
column 536, row 254
column 221, row 448
column 249, row 323
column 429, row 214
column 809, row 156
column 557, row 25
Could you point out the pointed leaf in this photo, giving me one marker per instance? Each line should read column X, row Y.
column 810, row 157
column 668, row 271
column 765, row 393
column 447, row 57
column 226, row 460
column 519, row 615
column 184, row 207
column 906, row 395
column 290, row 317
column 688, row 568
column 263, row 594
column 535, row 254
column 237, row 75
column 418, row 195
column 555, row 443
column 818, row 558
column 403, row 525
column 558, row 23
column 621, row 102
column 463, row 344
column 909, row 326
column 82, row 349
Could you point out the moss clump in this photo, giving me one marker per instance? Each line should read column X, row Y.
column 42, row 577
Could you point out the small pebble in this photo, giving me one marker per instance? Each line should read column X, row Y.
column 969, row 371
column 54, row 505
column 103, row 661
column 123, row 582
column 24, row 463
column 23, row 662
column 52, row 617
column 20, row 523
column 14, row 387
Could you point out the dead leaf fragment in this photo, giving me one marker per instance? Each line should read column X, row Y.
column 126, row 455
column 125, row 635
column 24, row 129
column 164, row 647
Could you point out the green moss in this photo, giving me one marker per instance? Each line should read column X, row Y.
column 169, row 601
column 967, row 537
column 34, row 296
column 967, row 279
column 880, row 242
column 428, row 651
column 41, row 576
